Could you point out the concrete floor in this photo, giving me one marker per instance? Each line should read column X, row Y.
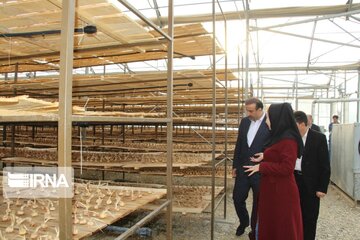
column 339, row 219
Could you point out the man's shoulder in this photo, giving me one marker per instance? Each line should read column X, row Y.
column 316, row 134
column 245, row 120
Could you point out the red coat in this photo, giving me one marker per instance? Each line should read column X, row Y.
column 279, row 203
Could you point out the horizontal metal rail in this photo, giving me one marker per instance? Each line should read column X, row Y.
column 143, row 221
column 145, row 19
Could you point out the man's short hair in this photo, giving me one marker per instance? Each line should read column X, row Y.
column 336, row 116
column 256, row 101
column 300, row 117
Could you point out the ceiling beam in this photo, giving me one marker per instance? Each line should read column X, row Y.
column 261, row 13
column 349, row 67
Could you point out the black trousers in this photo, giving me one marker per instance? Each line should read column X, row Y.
column 310, row 205
column 243, row 183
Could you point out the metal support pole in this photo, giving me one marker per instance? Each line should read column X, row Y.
column 156, row 132
column 226, row 121
column 169, row 114
column 12, row 140
column 33, row 133
column 213, row 122
column 257, row 62
column 296, row 92
column 65, row 111
column 334, row 92
column 147, row 21
column 345, row 105
column 94, row 133
column 102, row 126
column 247, row 50
column 123, row 133
column 16, row 77
column 4, row 134
column 143, row 221
column 238, row 89
column 358, row 96
column 311, row 44
column 243, row 97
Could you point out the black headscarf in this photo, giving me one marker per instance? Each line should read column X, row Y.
column 283, row 125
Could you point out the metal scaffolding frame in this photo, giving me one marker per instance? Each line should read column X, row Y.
column 65, row 111
column 270, row 13
column 65, row 118
column 215, row 165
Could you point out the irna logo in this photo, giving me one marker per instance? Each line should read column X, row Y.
column 24, row 180
column 38, row 182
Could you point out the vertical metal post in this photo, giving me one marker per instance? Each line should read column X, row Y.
column 213, row 121
column 318, row 115
column 4, row 134
column 238, row 85
column 65, row 111
column 12, row 140
column 345, row 106
column 226, row 121
column 94, row 133
column 247, row 50
column 296, row 92
column 333, row 104
column 169, row 114
column 358, row 96
column 123, row 133
column 243, row 87
column 262, row 89
column 16, row 77
column 156, row 132
column 33, row 133
column 257, row 63
column 102, row 126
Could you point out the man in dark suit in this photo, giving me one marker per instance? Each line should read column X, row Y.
column 253, row 134
column 312, row 174
column 312, row 125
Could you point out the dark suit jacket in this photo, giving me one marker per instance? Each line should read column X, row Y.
column 315, row 127
column 315, row 165
column 242, row 151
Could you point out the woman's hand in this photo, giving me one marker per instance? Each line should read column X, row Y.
column 258, row 157
column 252, row 169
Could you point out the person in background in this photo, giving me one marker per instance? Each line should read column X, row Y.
column 312, row 174
column 312, row 125
column 335, row 120
column 279, row 212
column 253, row 133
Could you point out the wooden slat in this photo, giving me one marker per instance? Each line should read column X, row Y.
column 180, row 204
column 24, row 106
column 147, row 195
column 191, row 40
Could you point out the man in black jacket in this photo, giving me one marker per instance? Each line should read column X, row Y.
column 312, row 174
column 312, row 125
column 253, row 134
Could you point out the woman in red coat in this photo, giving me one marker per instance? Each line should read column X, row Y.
column 279, row 212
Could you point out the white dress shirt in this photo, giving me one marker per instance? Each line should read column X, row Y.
column 254, row 127
column 298, row 161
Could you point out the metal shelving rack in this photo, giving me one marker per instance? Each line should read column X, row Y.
column 215, row 165
column 65, row 118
